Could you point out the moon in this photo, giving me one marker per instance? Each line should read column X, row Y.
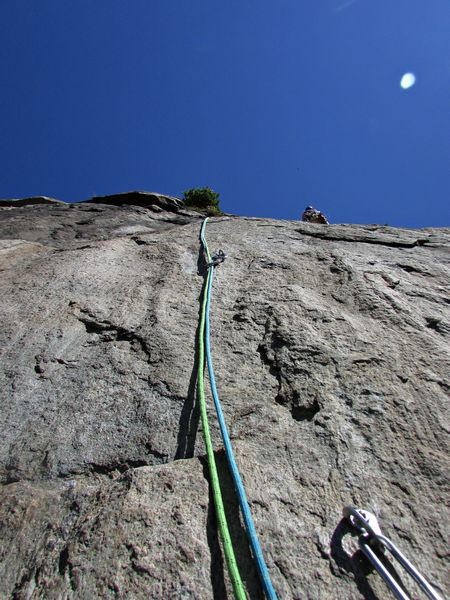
column 407, row 81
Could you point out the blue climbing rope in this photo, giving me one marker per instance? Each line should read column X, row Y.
column 243, row 502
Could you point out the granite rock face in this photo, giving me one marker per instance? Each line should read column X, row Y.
column 31, row 201
column 150, row 200
column 331, row 351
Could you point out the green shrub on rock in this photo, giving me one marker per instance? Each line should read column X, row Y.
column 204, row 199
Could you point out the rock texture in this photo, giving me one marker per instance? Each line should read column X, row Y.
column 32, row 200
column 151, row 200
column 332, row 359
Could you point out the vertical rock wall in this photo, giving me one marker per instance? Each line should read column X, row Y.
column 331, row 354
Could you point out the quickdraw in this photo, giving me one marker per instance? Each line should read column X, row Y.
column 372, row 542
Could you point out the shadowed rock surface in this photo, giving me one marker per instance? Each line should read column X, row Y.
column 331, row 350
column 32, row 200
column 147, row 199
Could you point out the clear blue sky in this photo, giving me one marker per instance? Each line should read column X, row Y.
column 274, row 103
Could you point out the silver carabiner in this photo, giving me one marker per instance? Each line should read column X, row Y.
column 370, row 538
column 218, row 257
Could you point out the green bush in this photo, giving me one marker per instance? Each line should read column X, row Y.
column 204, row 199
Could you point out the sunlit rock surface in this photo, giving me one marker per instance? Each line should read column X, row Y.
column 331, row 350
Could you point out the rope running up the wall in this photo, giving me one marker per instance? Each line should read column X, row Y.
column 243, row 502
column 236, row 581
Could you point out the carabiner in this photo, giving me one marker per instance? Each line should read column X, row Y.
column 217, row 258
column 371, row 538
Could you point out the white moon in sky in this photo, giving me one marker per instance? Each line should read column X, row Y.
column 407, row 81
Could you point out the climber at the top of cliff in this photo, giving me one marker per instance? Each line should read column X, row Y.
column 311, row 215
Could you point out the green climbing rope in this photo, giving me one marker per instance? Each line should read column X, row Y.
column 238, row 485
column 230, row 558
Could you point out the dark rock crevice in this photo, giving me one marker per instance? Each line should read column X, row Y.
column 190, row 413
column 365, row 239
column 282, row 356
column 237, row 533
column 436, row 324
column 413, row 269
column 305, row 413
column 65, row 567
column 115, row 468
column 109, row 331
